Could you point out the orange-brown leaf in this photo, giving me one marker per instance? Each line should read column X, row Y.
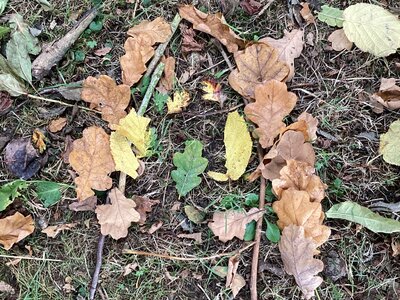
column 166, row 83
column 53, row 231
column 257, row 64
column 156, row 31
column 297, row 253
column 15, row 228
column 273, row 103
column 91, row 158
column 57, row 125
column 293, row 146
column 214, row 25
column 388, row 95
column 38, row 140
column 106, row 96
column 306, row 13
column 143, row 206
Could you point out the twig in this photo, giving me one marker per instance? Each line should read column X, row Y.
column 264, row 9
column 31, row 258
column 143, row 253
column 96, row 273
column 59, row 102
column 155, row 78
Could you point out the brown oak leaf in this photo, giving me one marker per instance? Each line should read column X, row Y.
column 91, row 158
column 57, row 125
column 232, row 223
column 143, row 206
column 388, row 95
column 306, row 124
column 214, row 25
column 306, row 13
column 53, row 231
column 116, row 218
column 89, row 204
column 106, row 96
column 15, row 228
column 297, row 253
column 189, row 44
column 166, row 82
column 289, row 47
column 273, row 103
column 295, row 208
column 156, row 31
column 339, row 40
column 292, row 145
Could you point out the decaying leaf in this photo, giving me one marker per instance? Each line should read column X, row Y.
column 390, row 144
column 306, row 13
column 195, row 215
column 143, row 206
column 189, row 44
column 273, row 103
column 232, row 223
column 234, row 281
column 238, row 145
column 297, row 253
column 395, row 247
column 251, row 6
column 312, row 126
column 116, row 218
column 91, row 158
column 339, row 40
column 88, row 204
column 106, row 96
column 166, row 82
column 289, row 47
column 257, row 64
column 38, row 140
column 124, row 158
column 214, row 25
column 213, row 92
column 180, row 100
column 6, row 288
column 102, row 51
column 57, row 125
column 293, row 146
column 5, row 103
column 156, row 31
column 295, row 208
column 53, row 231
column 15, row 228
column 388, row 95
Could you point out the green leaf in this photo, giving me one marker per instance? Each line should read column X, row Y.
column 189, row 165
column 10, row 191
column 3, row 4
column 11, row 85
column 96, row 25
column 194, row 215
column 273, row 233
column 48, row 192
column 3, row 31
column 372, row 29
column 91, row 44
column 331, row 16
column 390, row 144
column 79, row 56
column 251, row 200
column 356, row 213
column 250, row 231
column 159, row 100
column 18, row 58
column 22, row 34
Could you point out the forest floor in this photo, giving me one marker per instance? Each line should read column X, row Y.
column 332, row 86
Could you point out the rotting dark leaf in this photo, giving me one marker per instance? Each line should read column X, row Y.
column 5, row 103
column 251, row 7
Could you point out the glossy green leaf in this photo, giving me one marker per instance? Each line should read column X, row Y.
column 10, row 191
column 190, row 164
column 331, row 16
column 356, row 213
column 11, row 85
column 250, row 231
column 273, row 233
column 48, row 192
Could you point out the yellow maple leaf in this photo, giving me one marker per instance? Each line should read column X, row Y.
column 181, row 100
column 38, row 140
column 238, row 146
column 134, row 128
column 213, row 92
column 125, row 160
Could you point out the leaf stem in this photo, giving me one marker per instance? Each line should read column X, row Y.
column 59, row 102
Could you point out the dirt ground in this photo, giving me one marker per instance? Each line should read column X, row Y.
column 332, row 86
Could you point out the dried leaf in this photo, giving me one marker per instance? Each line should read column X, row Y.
column 194, row 215
column 273, row 103
column 129, row 268
column 312, row 126
column 388, row 95
column 88, row 204
column 5, row 287
column 193, row 236
column 306, row 13
column 116, row 218
column 257, row 64
column 232, row 223
column 53, row 231
column 189, row 44
column 395, row 247
column 57, row 125
column 166, row 83
column 133, row 63
column 214, row 25
column 121, row 150
column 213, row 92
column 181, row 100
column 339, row 40
column 238, row 146
column 295, row 208
column 5, row 103
column 390, row 144
column 38, row 140
column 14, row 229
column 156, row 31
column 234, row 281
column 102, row 51
column 91, row 158
column 155, row 227
column 143, row 206
column 106, row 96
column 297, row 253
column 252, row 7
column 293, row 146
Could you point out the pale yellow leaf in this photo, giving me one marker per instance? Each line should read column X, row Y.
column 181, row 100
column 125, row 160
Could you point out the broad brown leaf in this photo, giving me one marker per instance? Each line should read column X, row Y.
column 91, row 158
column 15, row 228
column 214, row 25
column 57, row 125
column 189, row 44
column 257, row 64
column 156, row 31
column 133, row 62
column 273, row 103
column 293, row 146
column 88, row 204
column 299, row 176
column 234, row 281
column 116, row 218
column 297, row 253
column 306, row 13
column 106, row 96
column 143, row 206
column 295, row 208
column 229, row 224
column 166, row 82
column 289, row 47
column 339, row 40
column 305, row 124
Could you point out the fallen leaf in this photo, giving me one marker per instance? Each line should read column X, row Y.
column 48, row 192
column 89, row 204
column 143, row 206
column 232, row 223
column 212, row 92
column 234, row 281
column 53, row 231
column 295, row 208
column 155, row 227
column 256, row 65
column 293, row 146
column 68, row 287
column 129, row 268
column 193, row 214
column 125, row 160
column 339, row 40
column 15, row 228
column 273, row 103
column 189, row 44
column 106, row 96
column 395, row 247
column 38, row 140
column 166, row 82
column 214, row 25
column 10, row 191
column 190, row 164
column 5, row 103
column 102, row 51
column 180, row 100
column 9, row 84
column 57, row 125
column 306, row 124
column 356, row 213
column 133, row 63
column 6, row 288
column 238, row 145
column 193, row 236
column 389, row 144
column 91, row 158
column 306, row 13
column 289, row 47
column 331, row 16
column 388, row 95
column 116, row 218
column 297, row 253
column 156, row 31
column 252, row 7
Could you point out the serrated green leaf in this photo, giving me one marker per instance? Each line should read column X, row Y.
column 10, row 191
column 18, row 58
column 11, row 85
column 48, row 192
column 273, row 233
column 250, row 231
column 91, row 44
column 390, row 144
column 372, row 29
column 22, row 34
column 3, row 4
column 79, row 55
column 189, row 165
column 356, row 213
column 331, row 16
column 252, row 200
